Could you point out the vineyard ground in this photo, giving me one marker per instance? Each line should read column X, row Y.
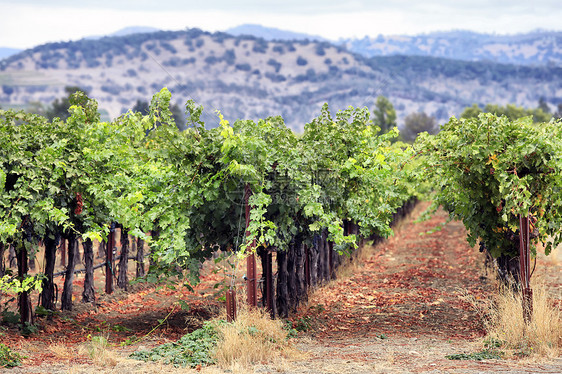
column 401, row 309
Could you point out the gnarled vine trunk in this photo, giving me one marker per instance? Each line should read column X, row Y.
column 66, row 298
column 300, row 274
column 122, row 279
column 282, row 291
column 12, row 262
column 2, row 264
column 140, row 258
column 88, row 295
column 48, row 291
column 291, row 277
column 24, row 302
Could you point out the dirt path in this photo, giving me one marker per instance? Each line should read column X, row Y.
column 401, row 310
column 406, row 308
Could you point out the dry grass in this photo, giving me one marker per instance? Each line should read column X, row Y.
column 542, row 337
column 62, row 351
column 98, row 350
column 351, row 265
column 253, row 338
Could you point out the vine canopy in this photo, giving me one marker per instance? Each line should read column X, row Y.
column 487, row 171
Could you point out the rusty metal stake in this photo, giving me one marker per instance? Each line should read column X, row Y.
column 524, row 269
column 231, row 305
column 251, row 276
column 251, row 283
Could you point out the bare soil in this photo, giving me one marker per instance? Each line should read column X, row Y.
column 400, row 307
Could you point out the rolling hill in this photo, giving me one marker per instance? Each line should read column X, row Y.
column 249, row 77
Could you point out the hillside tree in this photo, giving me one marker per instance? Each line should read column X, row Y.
column 416, row 123
column 384, row 114
column 59, row 107
column 512, row 112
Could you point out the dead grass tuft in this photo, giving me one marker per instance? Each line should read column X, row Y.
column 98, row 350
column 253, row 338
column 542, row 337
column 62, row 351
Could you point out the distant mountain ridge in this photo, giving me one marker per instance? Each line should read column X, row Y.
column 271, row 33
column 534, row 48
column 126, row 31
column 248, row 77
column 538, row 47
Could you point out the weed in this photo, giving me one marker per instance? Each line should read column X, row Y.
column 191, row 350
column 28, row 329
column 8, row 358
column 43, row 312
column 318, row 309
column 10, row 317
column 119, row 328
column 303, row 324
column 492, row 342
column 490, row 351
column 485, row 354
column 291, row 332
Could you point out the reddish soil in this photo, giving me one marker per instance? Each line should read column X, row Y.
column 401, row 309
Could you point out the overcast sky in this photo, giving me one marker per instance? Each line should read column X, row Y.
column 27, row 23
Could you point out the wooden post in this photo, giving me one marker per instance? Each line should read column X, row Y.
column 251, row 276
column 524, row 269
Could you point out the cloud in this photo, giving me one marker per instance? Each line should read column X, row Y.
column 302, row 6
column 30, row 22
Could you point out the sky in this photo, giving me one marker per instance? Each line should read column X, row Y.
column 27, row 23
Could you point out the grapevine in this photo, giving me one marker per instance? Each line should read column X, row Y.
column 488, row 171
